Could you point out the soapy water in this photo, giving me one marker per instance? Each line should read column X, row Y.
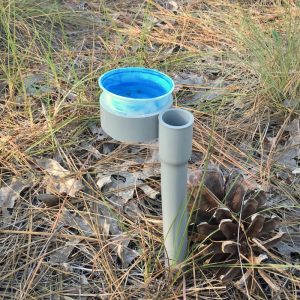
column 136, row 91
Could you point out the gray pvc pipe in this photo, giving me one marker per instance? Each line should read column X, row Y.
column 175, row 148
column 128, row 129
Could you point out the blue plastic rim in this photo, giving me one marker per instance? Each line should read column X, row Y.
column 136, row 91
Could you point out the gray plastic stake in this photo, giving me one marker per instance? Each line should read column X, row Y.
column 175, row 148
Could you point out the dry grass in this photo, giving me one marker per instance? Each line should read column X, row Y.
column 51, row 57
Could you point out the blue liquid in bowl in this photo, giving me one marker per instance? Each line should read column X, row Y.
column 136, row 91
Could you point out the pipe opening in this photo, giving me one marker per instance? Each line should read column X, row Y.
column 177, row 118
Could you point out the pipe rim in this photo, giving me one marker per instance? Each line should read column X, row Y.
column 169, row 118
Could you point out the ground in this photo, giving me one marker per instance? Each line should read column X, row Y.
column 81, row 212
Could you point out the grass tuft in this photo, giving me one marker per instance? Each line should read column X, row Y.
column 273, row 56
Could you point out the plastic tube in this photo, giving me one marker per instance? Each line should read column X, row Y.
column 175, row 148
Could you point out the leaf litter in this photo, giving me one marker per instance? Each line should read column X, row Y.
column 121, row 240
column 119, row 189
column 58, row 179
column 127, row 179
column 11, row 192
column 77, row 222
column 199, row 88
column 37, row 85
column 289, row 155
column 62, row 254
column 109, row 224
column 122, row 186
column 99, row 133
column 92, row 150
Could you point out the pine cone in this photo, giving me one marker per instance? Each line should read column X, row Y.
column 231, row 226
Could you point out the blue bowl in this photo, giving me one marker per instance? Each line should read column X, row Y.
column 136, row 91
